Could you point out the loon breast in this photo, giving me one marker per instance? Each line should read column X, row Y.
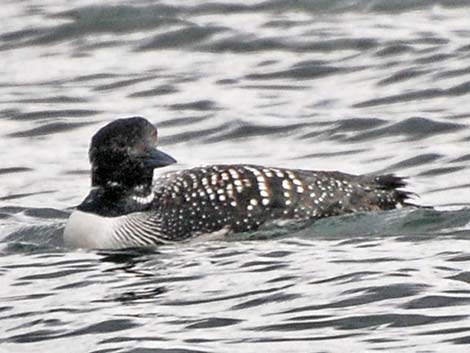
column 90, row 231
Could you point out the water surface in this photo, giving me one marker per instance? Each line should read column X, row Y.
column 358, row 86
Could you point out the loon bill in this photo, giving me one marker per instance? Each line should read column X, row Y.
column 124, row 209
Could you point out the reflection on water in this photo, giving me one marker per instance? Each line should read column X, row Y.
column 354, row 86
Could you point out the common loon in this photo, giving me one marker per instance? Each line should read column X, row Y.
column 124, row 209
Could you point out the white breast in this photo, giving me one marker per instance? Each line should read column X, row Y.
column 90, row 231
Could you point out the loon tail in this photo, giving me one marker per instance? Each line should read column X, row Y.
column 390, row 182
column 395, row 184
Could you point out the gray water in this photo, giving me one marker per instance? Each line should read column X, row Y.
column 358, row 86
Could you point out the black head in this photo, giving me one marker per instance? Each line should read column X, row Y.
column 124, row 153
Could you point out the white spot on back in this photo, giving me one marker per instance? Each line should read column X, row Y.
column 264, row 193
column 268, row 173
column 286, row 184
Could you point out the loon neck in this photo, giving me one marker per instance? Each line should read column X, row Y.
column 115, row 199
column 123, row 177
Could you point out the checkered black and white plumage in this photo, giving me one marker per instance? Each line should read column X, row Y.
column 243, row 197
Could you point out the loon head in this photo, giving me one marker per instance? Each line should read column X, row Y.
column 124, row 153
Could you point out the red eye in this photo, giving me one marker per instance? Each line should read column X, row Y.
column 153, row 134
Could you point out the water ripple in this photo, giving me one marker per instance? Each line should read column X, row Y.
column 337, row 85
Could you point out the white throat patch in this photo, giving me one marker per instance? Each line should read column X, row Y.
column 144, row 200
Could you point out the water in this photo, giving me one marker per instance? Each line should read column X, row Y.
column 359, row 86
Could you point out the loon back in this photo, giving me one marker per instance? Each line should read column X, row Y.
column 243, row 197
column 130, row 212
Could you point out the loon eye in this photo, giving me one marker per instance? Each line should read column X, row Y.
column 153, row 135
